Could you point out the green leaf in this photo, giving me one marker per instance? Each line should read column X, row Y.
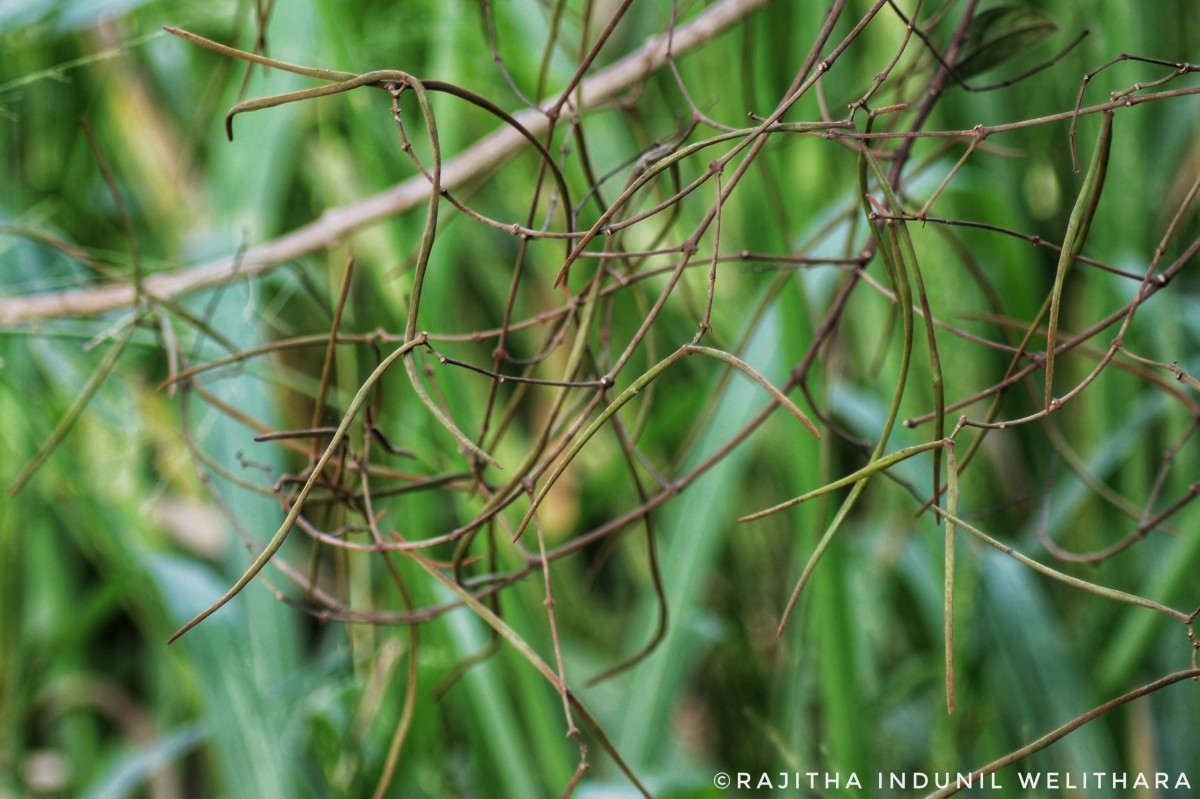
column 135, row 768
column 1001, row 34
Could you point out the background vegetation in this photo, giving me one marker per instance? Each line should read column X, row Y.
column 151, row 245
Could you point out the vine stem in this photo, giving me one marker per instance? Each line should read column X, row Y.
column 290, row 521
column 335, row 223
column 1066, row 729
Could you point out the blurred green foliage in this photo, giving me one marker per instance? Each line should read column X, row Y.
column 131, row 526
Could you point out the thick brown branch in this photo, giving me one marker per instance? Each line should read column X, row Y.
column 336, row 223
